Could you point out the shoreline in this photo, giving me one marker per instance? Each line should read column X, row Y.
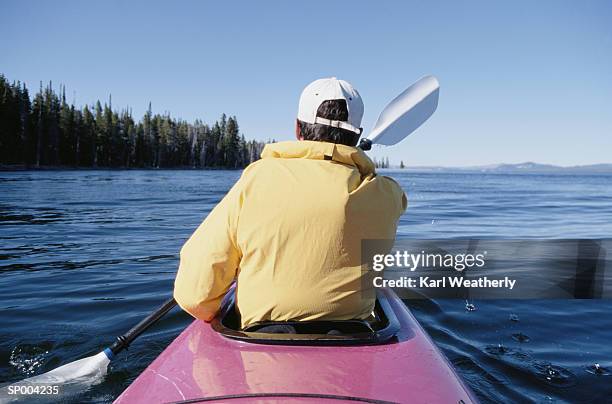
column 21, row 167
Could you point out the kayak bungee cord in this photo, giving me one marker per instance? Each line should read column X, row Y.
column 284, row 395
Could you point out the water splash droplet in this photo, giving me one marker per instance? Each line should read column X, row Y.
column 520, row 337
column 550, row 372
column 27, row 358
column 598, row 370
column 469, row 306
column 498, row 349
column 554, row 375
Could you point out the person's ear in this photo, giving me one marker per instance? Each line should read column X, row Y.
column 297, row 130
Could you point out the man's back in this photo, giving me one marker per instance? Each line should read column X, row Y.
column 295, row 220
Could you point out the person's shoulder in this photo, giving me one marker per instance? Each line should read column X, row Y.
column 394, row 188
column 253, row 166
column 255, row 169
column 390, row 181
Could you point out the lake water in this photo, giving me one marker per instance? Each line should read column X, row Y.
column 84, row 255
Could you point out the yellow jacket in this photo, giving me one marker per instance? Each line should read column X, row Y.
column 290, row 231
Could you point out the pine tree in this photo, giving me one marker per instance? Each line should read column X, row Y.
column 88, row 140
column 38, row 125
column 11, row 142
column 231, row 143
column 147, row 150
column 78, row 129
column 99, row 135
column 52, row 106
column 67, row 141
column 25, row 109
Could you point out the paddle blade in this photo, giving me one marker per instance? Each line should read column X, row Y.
column 91, row 369
column 72, row 378
column 406, row 112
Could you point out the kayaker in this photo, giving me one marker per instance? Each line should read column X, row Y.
column 290, row 230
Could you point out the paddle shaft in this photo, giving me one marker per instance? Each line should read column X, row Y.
column 123, row 341
column 365, row 144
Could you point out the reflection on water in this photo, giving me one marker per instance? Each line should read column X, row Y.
column 84, row 255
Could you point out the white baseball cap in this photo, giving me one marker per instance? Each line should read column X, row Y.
column 331, row 89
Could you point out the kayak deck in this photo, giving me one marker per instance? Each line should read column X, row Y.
column 200, row 365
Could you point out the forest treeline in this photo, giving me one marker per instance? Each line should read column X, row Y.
column 382, row 163
column 48, row 131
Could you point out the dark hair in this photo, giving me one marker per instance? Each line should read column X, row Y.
column 335, row 110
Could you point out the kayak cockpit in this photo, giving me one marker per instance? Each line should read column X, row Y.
column 373, row 362
column 382, row 329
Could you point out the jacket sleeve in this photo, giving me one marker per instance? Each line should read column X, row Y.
column 399, row 196
column 209, row 259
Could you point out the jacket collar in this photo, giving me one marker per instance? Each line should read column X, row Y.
column 308, row 149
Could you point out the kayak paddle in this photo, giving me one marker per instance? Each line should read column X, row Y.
column 91, row 370
column 404, row 114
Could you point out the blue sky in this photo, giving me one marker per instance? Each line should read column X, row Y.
column 520, row 80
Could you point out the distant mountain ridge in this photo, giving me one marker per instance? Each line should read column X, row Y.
column 526, row 167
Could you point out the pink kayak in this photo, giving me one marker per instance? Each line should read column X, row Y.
column 392, row 362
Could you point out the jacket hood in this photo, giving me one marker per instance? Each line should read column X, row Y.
column 308, row 149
